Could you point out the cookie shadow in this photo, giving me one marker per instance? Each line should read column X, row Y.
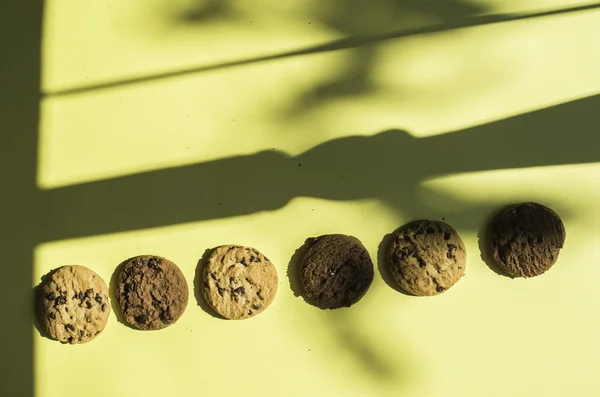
column 484, row 243
column 112, row 293
column 37, row 312
column 294, row 273
column 198, row 285
column 383, row 259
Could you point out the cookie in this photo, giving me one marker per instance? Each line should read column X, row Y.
column 239, row 282
column 152, row 292
column 73, row 304
column 336, row 271
column 526, row 239
column 427, row 257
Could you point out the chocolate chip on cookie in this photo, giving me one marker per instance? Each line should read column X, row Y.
column 526, row 239
column 64, row 312
column 239, row 282
column 152, row 292
column 427, row 257
column 336, row 271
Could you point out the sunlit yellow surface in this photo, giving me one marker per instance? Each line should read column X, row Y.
column 487, row 336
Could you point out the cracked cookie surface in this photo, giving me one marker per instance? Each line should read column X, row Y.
column 73, row 304
column 526, row 239
column 152, row 292
column 239, row 282
column 337, row 271
column 427, row 257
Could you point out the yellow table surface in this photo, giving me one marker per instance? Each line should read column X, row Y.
column 172, row 127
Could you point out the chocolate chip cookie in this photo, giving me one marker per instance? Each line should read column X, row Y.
column 427, row 257
column 152, row 292
column 526, row 239
column 73, row 304
column 336, row 271
column 239, row 282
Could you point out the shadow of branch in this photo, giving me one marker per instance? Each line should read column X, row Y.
column 335, row 45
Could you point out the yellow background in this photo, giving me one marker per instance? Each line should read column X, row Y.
column 493, row 86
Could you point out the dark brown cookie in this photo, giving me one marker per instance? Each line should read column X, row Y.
column 152, row 292
column 427, row 257
column 526, row 239
column 73, row 304
column 336, row 271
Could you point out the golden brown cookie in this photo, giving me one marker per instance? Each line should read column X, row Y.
column 526, row 239
column 427, row 257
column 337, row 271
column 152, row 292
column 73, row 304
column 239, row 282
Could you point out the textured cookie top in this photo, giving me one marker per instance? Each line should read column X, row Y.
column 152, row 292
column 336, row 271
column 526, row 239
column 239, row 282
column 73, row 304
column 427, row 257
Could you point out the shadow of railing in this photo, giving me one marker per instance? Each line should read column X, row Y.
column 390, row 166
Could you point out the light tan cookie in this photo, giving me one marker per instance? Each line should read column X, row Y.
column 427, row 257
column 239, row 282
column 73, row 304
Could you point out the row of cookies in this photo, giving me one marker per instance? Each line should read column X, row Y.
column 425, row 258
column 73, row 303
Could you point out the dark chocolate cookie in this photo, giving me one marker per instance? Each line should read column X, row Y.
column 526, row 239
column 152, row 292
column 73, row 304
column 337, row 271
column 427, row 257
column 239, row 282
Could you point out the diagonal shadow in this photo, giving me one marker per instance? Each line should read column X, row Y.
column 389, row 166
column 335, row 45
